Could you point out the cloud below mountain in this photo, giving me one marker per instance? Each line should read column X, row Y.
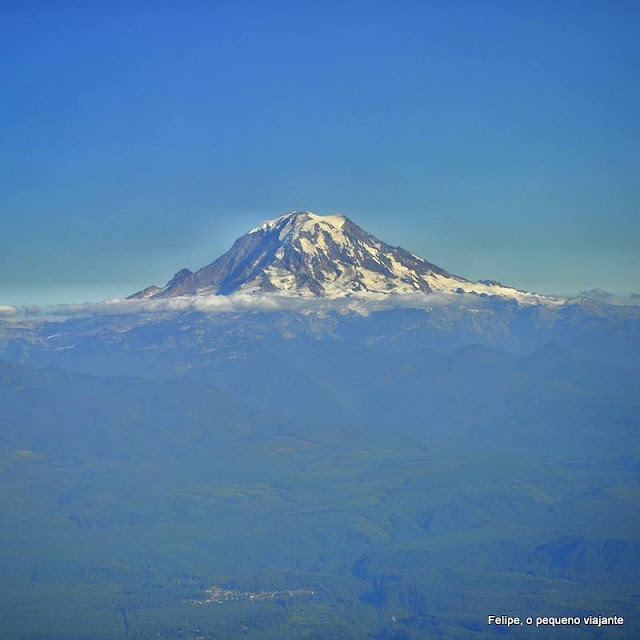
column 7, row 311
column 244, row 302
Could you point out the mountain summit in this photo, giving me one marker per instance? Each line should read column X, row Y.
column 305, row 254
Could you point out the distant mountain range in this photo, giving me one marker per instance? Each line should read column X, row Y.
column 305, row 254
column 633, row 299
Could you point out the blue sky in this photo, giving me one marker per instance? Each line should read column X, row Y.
column 497, row 139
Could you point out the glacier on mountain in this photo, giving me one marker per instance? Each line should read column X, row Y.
column 308, row 255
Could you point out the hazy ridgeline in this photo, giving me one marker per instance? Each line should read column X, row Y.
column 400, row 475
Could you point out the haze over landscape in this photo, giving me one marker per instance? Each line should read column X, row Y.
column 320, row 434
column 319, row 321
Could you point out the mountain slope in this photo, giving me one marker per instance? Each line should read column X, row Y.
column 304, row 254
column 55, row 412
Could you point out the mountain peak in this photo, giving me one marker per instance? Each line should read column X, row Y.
column 297, row 220
column 305, row 254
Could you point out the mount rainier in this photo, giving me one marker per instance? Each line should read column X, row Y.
column 304, row 254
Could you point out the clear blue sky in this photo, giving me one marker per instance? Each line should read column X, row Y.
column 497, row 139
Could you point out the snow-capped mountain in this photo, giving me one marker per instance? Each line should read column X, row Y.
column 305, row 254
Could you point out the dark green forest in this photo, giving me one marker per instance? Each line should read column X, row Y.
column 407, row 496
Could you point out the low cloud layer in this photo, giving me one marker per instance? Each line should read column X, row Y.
column 7, row 311
column 239, row 302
